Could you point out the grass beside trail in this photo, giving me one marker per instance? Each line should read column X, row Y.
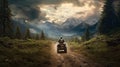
column 101, row 49
column 24, row 53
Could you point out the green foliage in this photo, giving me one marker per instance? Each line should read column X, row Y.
column 86, row 35
column 101, row 49
column 118, row 12
column 27, row 34
column 42, row 37
column 5, row 20
column 25, row 53
column 76, row 39
column 18, row 34
column 74, row 46
column 37, row 37
column 109, row 20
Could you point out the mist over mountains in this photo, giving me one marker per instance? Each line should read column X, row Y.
column 56, row 17
column 71, row 27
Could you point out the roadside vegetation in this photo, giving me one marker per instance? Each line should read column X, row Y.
column 24, row 53
column 101, row 49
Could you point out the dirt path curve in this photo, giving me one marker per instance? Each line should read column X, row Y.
column 69, row 59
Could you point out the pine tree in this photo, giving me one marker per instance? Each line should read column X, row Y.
column 109, row 20
column 118, row 12
column 42, row 37
column 37, row 37
column 27, row 34
column 5, row 19
column 86, row 36
column 18, row 33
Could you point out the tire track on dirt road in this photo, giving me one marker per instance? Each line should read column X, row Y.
column 69, row 59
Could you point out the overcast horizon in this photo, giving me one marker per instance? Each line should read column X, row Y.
column 65, row 13
column 57, row 11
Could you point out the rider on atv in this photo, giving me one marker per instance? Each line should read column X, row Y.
column 61, row 47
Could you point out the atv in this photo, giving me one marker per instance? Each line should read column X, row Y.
column 61, row 48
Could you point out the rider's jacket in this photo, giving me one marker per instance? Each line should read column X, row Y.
column 61, row 41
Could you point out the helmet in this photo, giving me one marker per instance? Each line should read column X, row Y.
column 61, row 37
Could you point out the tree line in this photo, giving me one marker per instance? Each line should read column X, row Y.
column 109, row 21
column 7, row 27
column 5, row 19
column 28, row 35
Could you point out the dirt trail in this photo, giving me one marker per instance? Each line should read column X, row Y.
column 69, row 59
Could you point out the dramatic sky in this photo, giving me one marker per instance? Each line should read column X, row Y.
column 65, row 13
column 57, row 11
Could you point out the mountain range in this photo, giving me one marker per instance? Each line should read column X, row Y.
column 71, row 27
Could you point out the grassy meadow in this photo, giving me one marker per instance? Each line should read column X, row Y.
column 24, row 53
column 101, row 49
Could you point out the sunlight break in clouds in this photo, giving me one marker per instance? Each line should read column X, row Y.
column 60, row 13
column 65, row 11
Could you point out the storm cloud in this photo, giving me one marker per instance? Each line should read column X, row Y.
column 31, row 9
column 26, row 9
column 44, row 13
